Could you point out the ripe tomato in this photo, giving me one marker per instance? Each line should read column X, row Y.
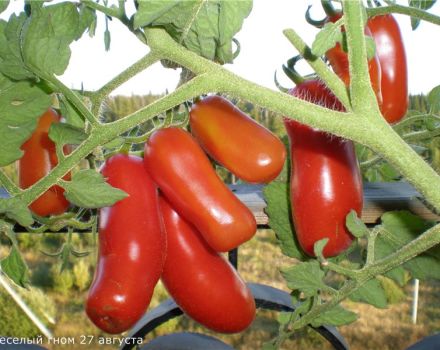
column 131, row 248
column 204, row 285
column 392, row 57
column 325, row 181
column 38, row 159
column 338, row 59
column 225, row 132
column 184, row 174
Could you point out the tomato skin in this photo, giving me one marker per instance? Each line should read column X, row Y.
column 38, row 159
column 325, row 182
column 131, row 248
column 183, row 172
column 392, row 57
column 204, row 285
column 338, row 59
column 224, row 131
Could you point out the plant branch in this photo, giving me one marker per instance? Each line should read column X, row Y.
column 362, row 95
column 404, row 10
column 421, row 135
column 7, row 183
column 139, row 66
column 327, row 75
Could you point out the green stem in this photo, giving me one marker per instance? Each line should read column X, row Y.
column 7, row 183
column 139, row 66
column 404, row 10
column 421, row 135
column 325, row 73
column 71, row 96
column 362, row 95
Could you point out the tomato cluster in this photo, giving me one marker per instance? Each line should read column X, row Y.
column 177, row 218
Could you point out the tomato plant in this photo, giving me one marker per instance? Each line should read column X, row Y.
column 184, row 174
column 325, row 181
column 131, row 248
column 39, row 157
column 204, row 285
column 224, row 131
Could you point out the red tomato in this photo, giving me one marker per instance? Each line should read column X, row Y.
column 131, row 248
column 183, row 172
column 392, row 57
column 38, row 160
column 225, row 132
column 204, row 285
column 338, row 59
column 325, row 181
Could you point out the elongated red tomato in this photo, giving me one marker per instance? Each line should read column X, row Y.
column 183, row 172
column 204, row 285
column 338, row 59
column 236, row 141
column 131, row 248
column 392, row 57
column 325, row 181
column 38, row 159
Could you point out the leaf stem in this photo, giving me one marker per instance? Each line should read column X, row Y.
column 7, row 183
column 325, row 73
column 404, row 10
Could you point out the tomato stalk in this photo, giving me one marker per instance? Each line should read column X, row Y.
column 404, row 10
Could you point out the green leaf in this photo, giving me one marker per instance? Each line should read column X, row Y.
column 47, row 37
column 70, row 113
column 434, row 99
column 11, row 60
column 206, row 27
column 319, row 246
column 326, row 39
column 355, row 225
column 87, row 20
column 66, row 134
column 337, row 316
column 276, row 195
column 15, row 267
column 306, row 277
column 400, row 228
column 89, row 190
column 4, row 5
column 420, row 4
column 284, row 317
column 16, row 210
column 21, row 104
column 371, row 293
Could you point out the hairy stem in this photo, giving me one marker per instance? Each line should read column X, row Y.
column 8, row 184
column 404, row 10
column 325, row 73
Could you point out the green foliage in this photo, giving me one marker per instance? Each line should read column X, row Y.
column 205, row 27
column 372, row 293
column 307, row 277
column 81, row 273
column 337, row 316
column 62, row 280
column 88, row 189
column 327, row 38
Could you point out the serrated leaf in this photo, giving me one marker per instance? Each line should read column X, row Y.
column 400, row 228
column 16, row 210
column 326, row 39
column 371, row 293
column 319, row 246
column 11, row 60
column 420, row 4
column 15, row 268
column 355, row 225
column 306, row 277
column 88, row 189
column 47, row 37
column 276, row 195
column 204, row 27
column 70, row 113
column 87, row 20
column 66, row 134
column 338, row 316
column 434, row 99
column 21, row 104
